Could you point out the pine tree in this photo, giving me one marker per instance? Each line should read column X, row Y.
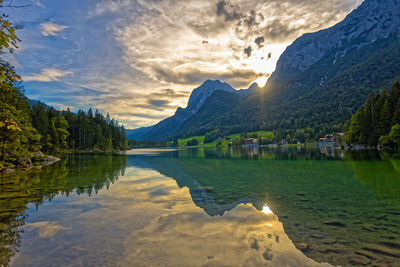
column 367, row 121
column 394, row 96
column 354, row 132
column 396, row 114
column 376, row 114
column 385, row 120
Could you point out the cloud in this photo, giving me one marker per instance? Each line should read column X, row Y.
column 167, row 45
column 153, row 53
column 259, row 41
column 229, row 15
column 247, row 51
column 51, row 29
column 38, row 3
column 158, row 102
column 47, row 75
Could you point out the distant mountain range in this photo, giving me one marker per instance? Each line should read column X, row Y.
column 319, row 82
column 32, row 103
column 170, row 126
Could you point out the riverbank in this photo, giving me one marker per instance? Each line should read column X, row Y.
column 38, row 160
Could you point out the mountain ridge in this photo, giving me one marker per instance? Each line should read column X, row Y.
column 321, row 79
column 169, row 126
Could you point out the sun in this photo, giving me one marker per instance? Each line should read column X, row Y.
column 261, row 81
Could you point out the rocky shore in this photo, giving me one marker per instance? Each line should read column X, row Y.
column 38, row 160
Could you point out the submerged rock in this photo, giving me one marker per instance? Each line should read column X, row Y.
column 268, row 255
column 38, row 153
column 359, row 260
column 24, row 163
column 335, row 223
column 302, row 246
column 382, row 250
column 51, row 159
column 8, row 170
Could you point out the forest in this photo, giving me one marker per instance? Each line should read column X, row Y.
column 377, row 122
column 24, row 130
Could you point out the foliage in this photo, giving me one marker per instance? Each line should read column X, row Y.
column 90, row 131
column 212, row 136
column 376, row 122
column 192, row 142
column 149, row 144
column 17, row 136
column 8, row 39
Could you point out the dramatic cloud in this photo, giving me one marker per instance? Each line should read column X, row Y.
column 168, row 44
column 51, row 29
column 47, row 75
column 139, row 60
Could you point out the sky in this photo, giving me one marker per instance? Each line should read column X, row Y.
column 139, row 60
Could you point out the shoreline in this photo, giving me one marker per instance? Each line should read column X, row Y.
column 33, row 163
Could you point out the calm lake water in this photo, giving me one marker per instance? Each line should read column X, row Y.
column 204, row 207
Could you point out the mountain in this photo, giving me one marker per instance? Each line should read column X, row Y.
column 32, row 103
column 217, row 105
column 137, row 134
column 254, row 88
column 169, row 126
column 372, row 21
column 320, row 81
column 324, row 77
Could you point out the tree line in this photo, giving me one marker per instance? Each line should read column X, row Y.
column 377, row 122
column 60, row 130
column 24, row 130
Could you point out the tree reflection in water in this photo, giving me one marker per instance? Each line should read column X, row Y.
column 80, row 173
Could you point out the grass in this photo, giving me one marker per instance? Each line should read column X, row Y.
column 263, row 134
column 184, row 141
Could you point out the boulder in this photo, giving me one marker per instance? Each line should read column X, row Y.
column 24, row 163
column 38, row 153
column 51, row 159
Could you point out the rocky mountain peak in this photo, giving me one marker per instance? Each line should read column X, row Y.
column 372, row 20
column 201, row 93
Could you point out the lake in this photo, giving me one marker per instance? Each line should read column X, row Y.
column 205, row 207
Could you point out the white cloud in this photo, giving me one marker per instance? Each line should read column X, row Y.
column 202, row 39
column 38, row 3
column 148, row 45
column 178, row 45
column 51, row 29
column 47, row 75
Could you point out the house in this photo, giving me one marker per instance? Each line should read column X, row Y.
column 284, row 142
column 331, row 140
column 250, row 142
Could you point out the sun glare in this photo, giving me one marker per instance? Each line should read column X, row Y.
column 266, row 209
column 261, row 81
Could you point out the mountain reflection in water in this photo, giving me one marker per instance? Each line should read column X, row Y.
column 231, row 207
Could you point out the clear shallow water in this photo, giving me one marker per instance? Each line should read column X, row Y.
column 204, row 207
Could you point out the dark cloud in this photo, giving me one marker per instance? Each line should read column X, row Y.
column 280, row 27
column 229, row 15
column 238, row 78
column 158, row 102
column 248, row 51
column 250, row 19
column 259, row 41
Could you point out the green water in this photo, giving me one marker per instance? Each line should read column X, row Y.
column 197, row 207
